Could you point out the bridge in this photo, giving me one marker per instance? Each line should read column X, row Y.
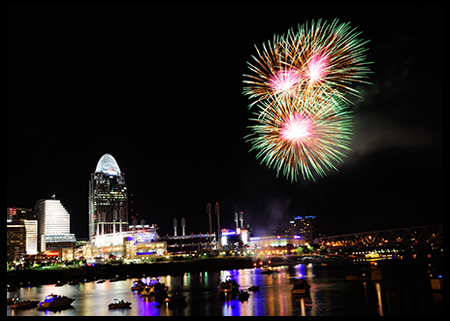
column 403, row 236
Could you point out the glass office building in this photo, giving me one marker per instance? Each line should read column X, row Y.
column 108, row 201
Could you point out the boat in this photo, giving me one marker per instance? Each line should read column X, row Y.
column 53, row 301
column 177, row 298
column 117, row 279
column 138, row 286
column 10, row 301
column 229, row 286
column 243, row 296
column 155, row 289
column 254, row 288
column 120, row 304
column 22, row 305
column 101, row 281
column 74, row 282
column 300, row 287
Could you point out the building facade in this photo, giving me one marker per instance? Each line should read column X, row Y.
column 28, row 218
column 15, row 240
column 108, row 201
column 17, row 213
column 271, row 243
column 139, row 242
column 304, row 226
column 54, row 225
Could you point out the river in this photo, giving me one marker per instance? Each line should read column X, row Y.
column 403, row 291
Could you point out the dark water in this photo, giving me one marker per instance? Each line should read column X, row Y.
column 402, row 292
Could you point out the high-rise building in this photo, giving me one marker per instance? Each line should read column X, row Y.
column 28, row 217
column 17, row 213
column 108, row 201
column 54, row 224
column 304, row 226
column 31, row 229
column 15, row 240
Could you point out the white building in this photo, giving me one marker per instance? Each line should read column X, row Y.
column 54, row 224
column 31, row 228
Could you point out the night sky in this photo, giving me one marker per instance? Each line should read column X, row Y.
column 160, row 88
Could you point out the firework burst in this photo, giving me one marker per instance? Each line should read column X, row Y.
column 299, row 83
column 300, row 137
column 330, row 57
column 325, row 57
column 272, row 76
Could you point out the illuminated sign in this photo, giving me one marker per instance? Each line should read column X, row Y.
column 145, row 253
column 228, row 233
column 301, row 218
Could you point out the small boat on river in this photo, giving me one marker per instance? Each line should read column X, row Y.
column 119, row 304
column 23, row 305
column 229, row 286
column 156, row 289
column 117, row 279
column 138, row 286
column 54, row 302
column 254, row 288
column 243, row 296
column 301, row 287
column 177, row 298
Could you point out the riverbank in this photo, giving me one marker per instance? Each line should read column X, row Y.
column 66, row 274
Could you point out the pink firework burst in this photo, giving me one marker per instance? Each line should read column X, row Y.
column 284, row 80
column 297, row 127
column 317, row 68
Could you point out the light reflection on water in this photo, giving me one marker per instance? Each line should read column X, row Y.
column 331, row 294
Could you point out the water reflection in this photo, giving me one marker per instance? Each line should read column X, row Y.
column 330, row 294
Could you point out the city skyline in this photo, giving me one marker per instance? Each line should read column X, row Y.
column 151, row 86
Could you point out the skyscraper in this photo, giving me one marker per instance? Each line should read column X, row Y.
column 108, row 201
column 54, row 224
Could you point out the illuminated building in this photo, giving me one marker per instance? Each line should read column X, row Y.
column 108, row 201
column 29, row 220
column 31, row 229
column 304, row 226
column 239, row 236
column 15, row 213
column 15, row 240
column 54, row 225
column 271, row 243
column 139, row 242
column 190, row 243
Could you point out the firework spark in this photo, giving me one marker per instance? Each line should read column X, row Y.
column 299, row 137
